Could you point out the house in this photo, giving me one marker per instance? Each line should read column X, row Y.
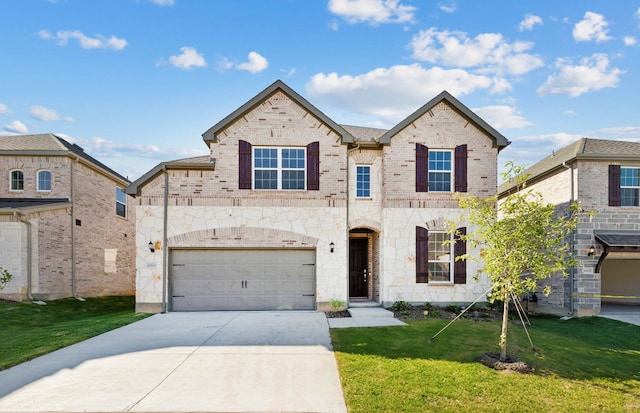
column 604, row 177
column 67, row 228
column 293, row 211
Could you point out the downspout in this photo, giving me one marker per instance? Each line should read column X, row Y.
column 572, row 271
column 347, row 226
column 165, row 255
column 73, row 231
column 20, row 218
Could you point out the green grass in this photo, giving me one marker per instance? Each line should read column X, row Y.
column 582, row 365
column 28, row 330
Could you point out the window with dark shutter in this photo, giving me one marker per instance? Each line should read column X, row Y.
column 422, row 168
column 460, row 266
column 614, row 185
column 313, row 166
column 244, row 165
column 422, row 255
column 461, row 168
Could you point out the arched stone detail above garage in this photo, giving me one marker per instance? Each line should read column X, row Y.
column 242, row 237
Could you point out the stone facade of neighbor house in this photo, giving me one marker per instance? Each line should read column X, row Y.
column 293, row 211
column 603, row 176
column 67, row 228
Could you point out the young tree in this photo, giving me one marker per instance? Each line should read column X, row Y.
column 523, row 240
column 5, row 277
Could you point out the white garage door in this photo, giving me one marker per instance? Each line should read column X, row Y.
column 242, row 279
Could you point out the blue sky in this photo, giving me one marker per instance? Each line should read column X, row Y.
column 136, row 82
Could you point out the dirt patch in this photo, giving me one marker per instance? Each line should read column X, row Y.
column 337, row 314
column 407, row 311
column 511, row 363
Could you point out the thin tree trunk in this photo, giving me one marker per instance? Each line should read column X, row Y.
column 503, row 334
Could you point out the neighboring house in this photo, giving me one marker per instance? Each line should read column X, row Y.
column 292, row 211
column 604, row 177
column 66, row 225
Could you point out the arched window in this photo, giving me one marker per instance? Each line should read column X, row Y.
column 17, row 180
column 44, row 181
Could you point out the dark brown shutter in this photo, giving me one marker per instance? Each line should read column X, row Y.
column 313, row 166
column 461, row 168
column 244, row 165
column 614, row 185
column 460, row 266
column 422, row 255
column 422, row 168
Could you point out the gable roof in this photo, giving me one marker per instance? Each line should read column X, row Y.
column 197, row 162
column 211, row 134
column 499, row 140
column 583, row 148
column 48, row 144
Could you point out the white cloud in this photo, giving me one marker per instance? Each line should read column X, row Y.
column 4, row 109
column 372, row 11
column 46, row 114
column 593, row 27
column 86, row 42
column 530, row 20
column 163, row 2
column 528, row 150
column 256, row 63
column 188, row 58
column 17, row 127
column 394, row 93
column 224, row 63
column 451, row 8
column 502, row 117
column 487, row 52
column 593, row 73
column 621, row 130
column 569, row 112
column 629, row 40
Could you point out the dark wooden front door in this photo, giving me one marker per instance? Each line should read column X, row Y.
column 358, row 273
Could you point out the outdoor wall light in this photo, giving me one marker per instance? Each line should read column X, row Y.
column 150, row 245
column 591, row 250
column 331, row 246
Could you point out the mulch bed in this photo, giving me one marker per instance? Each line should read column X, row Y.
column 511, row 363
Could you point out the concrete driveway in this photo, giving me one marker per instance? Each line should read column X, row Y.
column 187, row 362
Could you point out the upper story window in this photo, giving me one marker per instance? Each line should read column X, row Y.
column 279, row 168
column 363, row 181
column 121, row 203
column 44, row 181
column 630, row 186
column 17, row 180
column 440, row 171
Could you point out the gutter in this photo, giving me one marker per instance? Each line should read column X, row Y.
column 357, row 147
column 165, row 254
column 19, row 217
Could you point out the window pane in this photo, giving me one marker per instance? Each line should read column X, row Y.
column 439, row 271
column 363, row 181
column 121, row 196
column 629, row 196
column 44, row 181
column 121, row 210
column 293, row 179
column 440, row 181
column 439, row 257
column 293, row 158
column 629, row 177
column 439, row 160
column 266, row 158
column 266, row 179
column 17, row 180
column 440, row 171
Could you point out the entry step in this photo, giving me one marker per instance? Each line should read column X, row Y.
column 370, row 312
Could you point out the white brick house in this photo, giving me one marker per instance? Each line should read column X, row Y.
column 292, row 211
column 604, row 177
column 66, row 225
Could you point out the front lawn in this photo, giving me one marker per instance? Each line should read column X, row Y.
column 588, row 364
column 29, row 330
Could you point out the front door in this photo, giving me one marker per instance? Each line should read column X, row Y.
column 358, row 274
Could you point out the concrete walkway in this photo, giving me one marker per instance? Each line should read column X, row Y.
column 366, row 317
column 626, row 313
column 187, row 362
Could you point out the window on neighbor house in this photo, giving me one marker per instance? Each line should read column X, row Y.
column 44, row 181
column 441, row 170
column 363, row 181
column 121, row 203
column 630, row 186
column 279, row 168
column 435, row 261
column 17, row 180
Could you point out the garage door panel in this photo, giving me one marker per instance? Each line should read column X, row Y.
column 242, row 280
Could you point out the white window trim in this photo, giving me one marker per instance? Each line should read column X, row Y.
column 11, row 180
column 451, row 171
column 121, row 203
column 363, row 196
column 450, row 261
column 278, row 167
column 38, row 179
column 626, row 186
